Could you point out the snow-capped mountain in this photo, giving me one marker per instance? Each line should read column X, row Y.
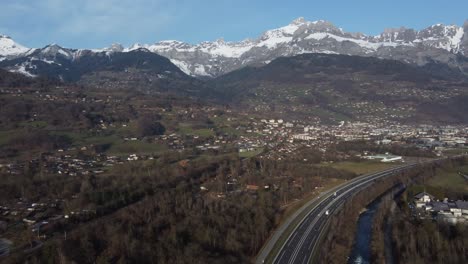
column 9, row 48
column 437, row 43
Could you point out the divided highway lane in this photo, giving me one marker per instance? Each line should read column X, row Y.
column 303, row 240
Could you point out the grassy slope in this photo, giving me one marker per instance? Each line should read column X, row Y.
column 450, row 179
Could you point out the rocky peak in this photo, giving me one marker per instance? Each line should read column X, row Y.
column 400, row 34
column 135, row 46
column 299, row 21
column 323, row 25
column 168, row 45
column 116, row 47
column 171, row 43
column 439, row 30
column 448, row 37
column 53, row 51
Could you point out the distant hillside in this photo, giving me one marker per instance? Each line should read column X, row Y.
column 315, row 87
column 138, row 69
column 341, row 87
column 16, row 80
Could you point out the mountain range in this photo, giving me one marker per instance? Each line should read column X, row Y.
column 446, row 44
column 306, row 70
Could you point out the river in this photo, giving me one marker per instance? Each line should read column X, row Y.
column 361, row 252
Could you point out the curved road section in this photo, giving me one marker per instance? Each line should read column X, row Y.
column 303, row 240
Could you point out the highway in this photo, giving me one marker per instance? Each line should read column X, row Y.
column 302, row 241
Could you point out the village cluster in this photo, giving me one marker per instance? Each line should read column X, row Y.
column 284, row 137
column 267, row 138
column 426, row 206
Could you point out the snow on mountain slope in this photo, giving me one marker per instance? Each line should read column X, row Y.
column 272, row 38
column 210, row 59
column 301, row 36
column 216, row 48
column 22, row 69
column 55, row 50
column 226, row 49
column 441, row 36
column 9, row 47
column 370, row 46
column 182, row 66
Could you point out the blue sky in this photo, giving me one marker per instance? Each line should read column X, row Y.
column 98, row 23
